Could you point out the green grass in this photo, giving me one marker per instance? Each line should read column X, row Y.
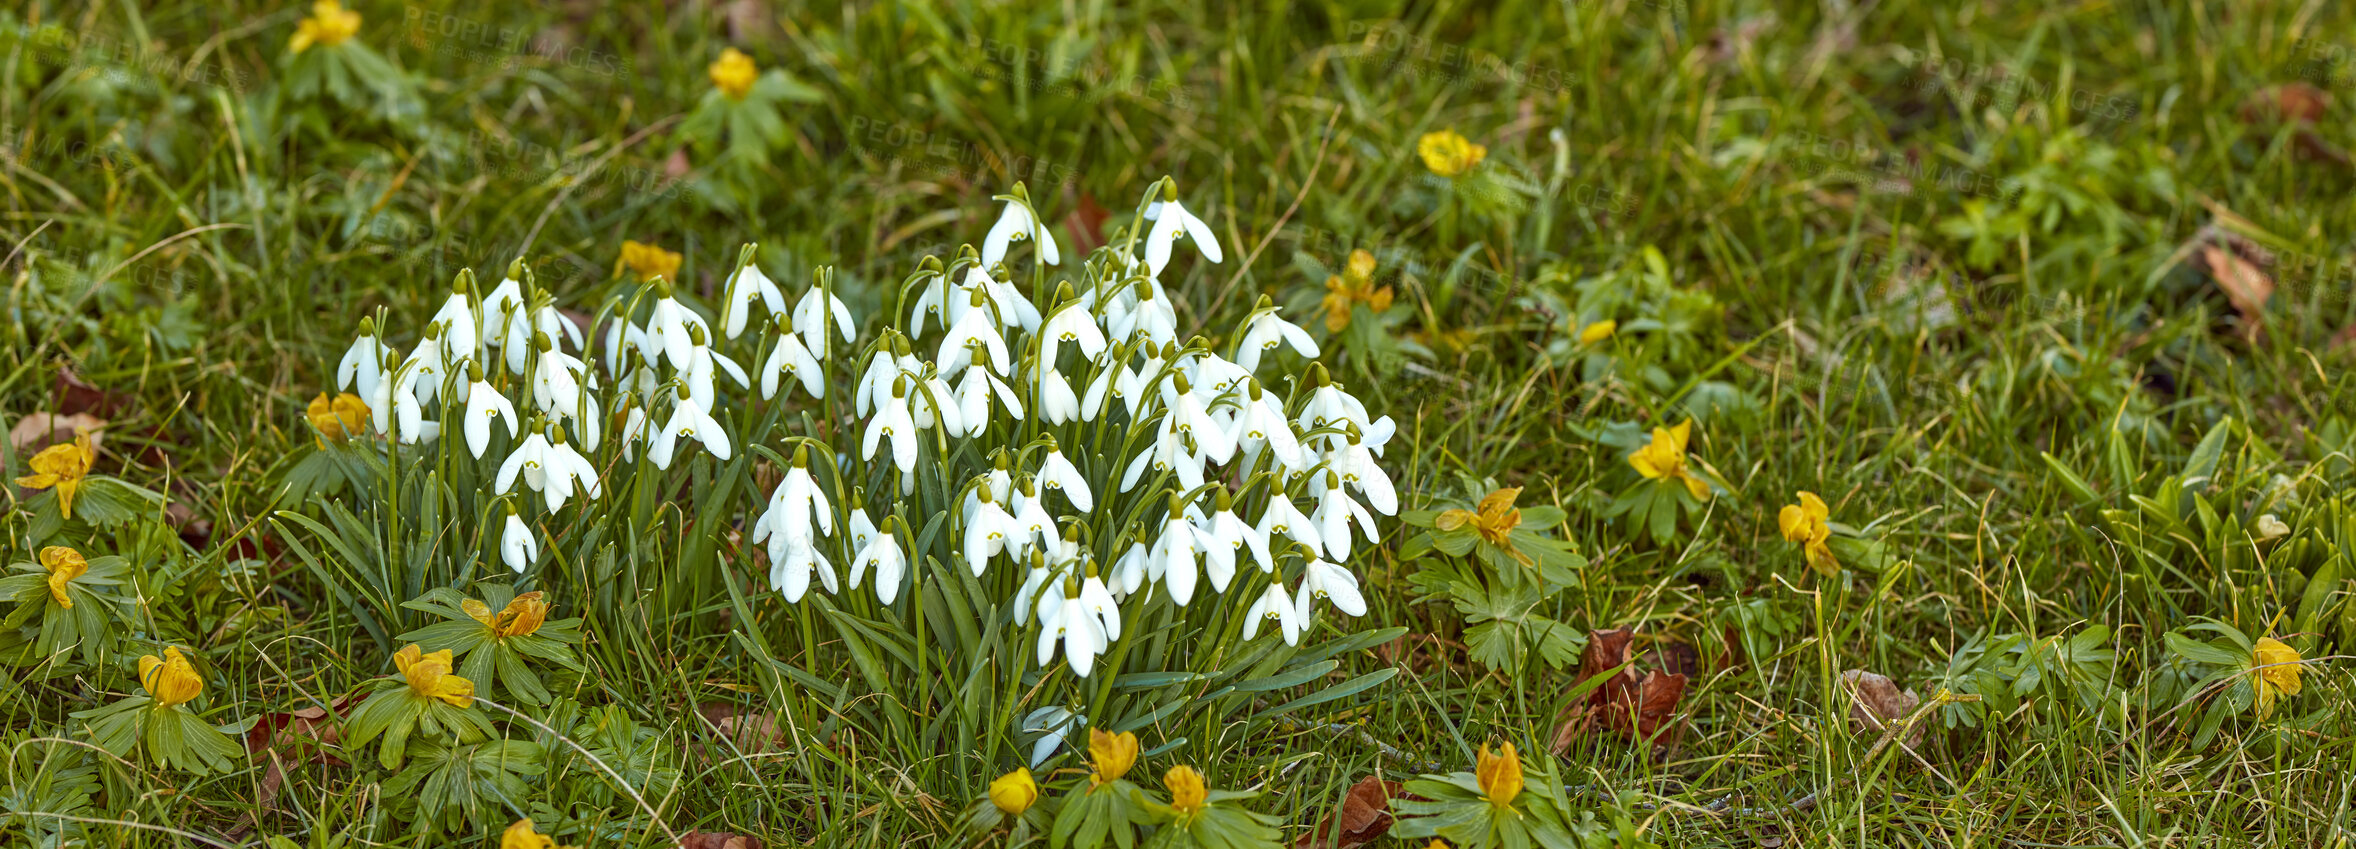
column 183, row 231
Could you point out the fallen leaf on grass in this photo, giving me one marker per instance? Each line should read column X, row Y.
column 1876, row 702
column 747, row 731
column 2243, row 282
column 75, row 396
column 1638, row 707
column 1085, row 224
column 1365, row 816
column 41, row 429
column 299, row 736
column 717, row 840
column 2300, row 104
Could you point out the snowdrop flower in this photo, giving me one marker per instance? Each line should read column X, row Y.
column 1057, row 473
column 1070, row 325
column 1170, row 220
column 988, row 531
column 883, row 554
column 973, row 330
column 1154, row 319
column 426, row 367
column 701, row 362
column 517, row 546
column 634, row 421
column 790, row 359
column 894, row 422
column 1190, row 419
column 1069, row 620
column 1224, row 535
column 549, row 469
column 556, row 377
column 1055, row 724
column 484, row 405
column 1329, row 406
column 1356, row 465
column 1168, row 454
column 1173, row 556
column 862, row 529
column 622, row 338
column 973, row 400
column 505, row 326
column 1099, row 603
column 1034, row 529
column 791, row 575
column 747, row 287
column 1130, row 570
column 546, row 319
column 666, row 329
column 457, row 320
column 1335, row 511
column 364, row 363
column 1277, row 605
column 1266, row 332
column 810, row 319
column 400, row 396
column 1332, row 583
column 1281, row 517
column 795, row 502
column 688, row 421
column 1015, row 224
column 1261, row 422
column 1026, row 597
column 1057, row 403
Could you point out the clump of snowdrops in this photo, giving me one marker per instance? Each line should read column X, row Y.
column 1036, row 463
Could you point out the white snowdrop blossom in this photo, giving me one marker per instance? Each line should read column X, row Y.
column 1083, row 467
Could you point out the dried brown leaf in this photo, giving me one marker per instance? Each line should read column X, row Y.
column 1876, row 702
column 41, row 429
column 717, row 840
column 1639, row 707
column 1365, row 816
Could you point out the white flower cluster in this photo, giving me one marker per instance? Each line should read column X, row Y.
column 1186, row 465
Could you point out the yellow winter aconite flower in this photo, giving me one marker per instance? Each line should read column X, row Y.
column 520, row 618
column 1495, row 521
column 338, row 418
column 1355, row 285
column 2278, row 673
column 649, row 261
column 429, row 675
column 1448, row 153
column 64, row 565
column 62, row 466
column 1187, row 792
column 1014, row 792
column 170, row 679
column 522, row 835
column 734, row 73
column 330, row 24
column 1500, row 774
column 1809, row 524
column 1112, row 754
column 1598, row 331
column 1664, row 457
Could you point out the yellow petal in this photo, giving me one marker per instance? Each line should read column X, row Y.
column 1187, row 792
column 1500, row 775
column 1113, row 754
column 1680, row 435
column 1814, row 507
column 1793, row 521
column 1699, row 488
column 1450, row 520
column 1014, row 792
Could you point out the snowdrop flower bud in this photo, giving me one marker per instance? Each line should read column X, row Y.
column 457, row 318
column 810, row 320
column 484, row 405
column 517, row 546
